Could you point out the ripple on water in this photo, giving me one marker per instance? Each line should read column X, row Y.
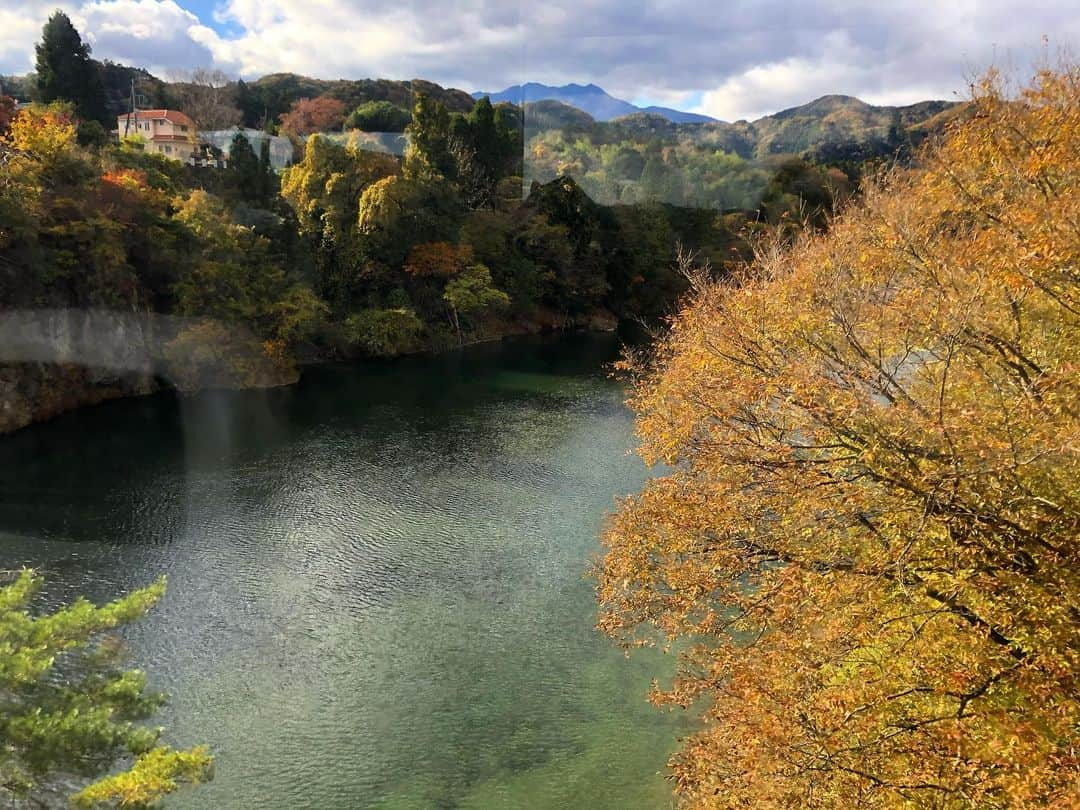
column 376, row 593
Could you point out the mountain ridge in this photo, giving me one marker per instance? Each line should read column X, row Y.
column 833, row 123
column 589, row 98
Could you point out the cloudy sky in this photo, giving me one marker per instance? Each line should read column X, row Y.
column 727, row 58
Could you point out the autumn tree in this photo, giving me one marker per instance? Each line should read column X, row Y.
column 399, row 212
column 44, row 131
column 868, row 532
column 325, row 191
column 55, row 194
column 232, row 276
column 310, row 115
column 438, row 259
column 209, row 97
column 70, row 710
column 65, row 71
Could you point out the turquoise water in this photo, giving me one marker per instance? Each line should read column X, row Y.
column 376, row 577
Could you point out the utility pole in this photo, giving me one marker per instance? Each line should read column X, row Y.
column 131, row 111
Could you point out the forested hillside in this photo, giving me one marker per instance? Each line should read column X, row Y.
column 492, row 222
column 718, row 165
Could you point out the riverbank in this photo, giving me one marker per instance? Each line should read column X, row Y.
column 56, row 361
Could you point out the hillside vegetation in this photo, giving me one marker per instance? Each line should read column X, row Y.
column 350, row 251
column 646, row 158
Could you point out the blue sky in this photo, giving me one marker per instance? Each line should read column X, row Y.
column 735, row 59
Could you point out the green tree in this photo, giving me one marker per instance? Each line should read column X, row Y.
column 254, row 107
column 397, row 213
column 245, row 172
column 472, row 293
column 250, row 177
column 641, row 270
column 485, row 148
column 799, row 192
column 429, row 154
column 65, row 71
column 569, row 222
column 71, row 711
column 234, row 278
column 384, row 332
column 378, row 116
column 268, row 185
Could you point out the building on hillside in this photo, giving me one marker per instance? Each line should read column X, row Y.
column 164, row 132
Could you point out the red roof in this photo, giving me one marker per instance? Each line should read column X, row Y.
column 174, row 116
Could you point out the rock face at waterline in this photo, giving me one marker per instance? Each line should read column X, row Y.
column 56, row 360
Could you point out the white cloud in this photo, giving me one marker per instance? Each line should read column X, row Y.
column 842, row 68
column 748, row 58
column 156, row 34
column 20, row 28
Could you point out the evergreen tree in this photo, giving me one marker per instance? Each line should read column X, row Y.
column 65, row 71
column 485, row 149
column 268, row 182
column 71, row 711
column 244, row 169
column 251, row 106
column 429, row 155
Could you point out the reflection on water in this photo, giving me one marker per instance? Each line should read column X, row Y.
column 376, row 592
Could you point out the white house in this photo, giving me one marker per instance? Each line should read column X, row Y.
column 165, row 132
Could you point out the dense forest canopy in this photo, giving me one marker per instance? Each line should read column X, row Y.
column 321, row 260
column 868, row 537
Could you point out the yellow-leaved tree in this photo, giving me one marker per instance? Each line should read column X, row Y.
column 869, row 534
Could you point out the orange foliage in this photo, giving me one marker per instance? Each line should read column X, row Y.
column 125, row 196
column 126, row 178
column 438, row 259
column 43, row 131
column 310, row 115
column 870, row 531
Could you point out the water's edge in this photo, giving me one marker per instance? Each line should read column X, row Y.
column 54, row 362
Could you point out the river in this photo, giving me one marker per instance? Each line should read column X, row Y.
column 377, row 593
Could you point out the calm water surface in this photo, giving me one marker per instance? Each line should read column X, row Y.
column 376, row 577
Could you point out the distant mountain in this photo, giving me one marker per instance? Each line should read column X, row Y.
column 826, row 128
column 678, row 116
column 547, row 114
column 588, row 98
column 835, row 119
